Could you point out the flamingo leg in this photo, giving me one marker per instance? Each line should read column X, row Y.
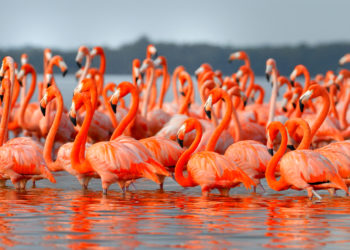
column 224, row 191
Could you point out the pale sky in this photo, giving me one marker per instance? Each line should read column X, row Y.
column 69, row 23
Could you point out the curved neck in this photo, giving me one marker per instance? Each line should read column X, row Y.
column 109, row 87
column 78, row 160
column 261, row 91
column 187, row 100
column 102, row 68
column 148, row 91
column 307, row 79
column 50, row 139
column 164, row 86
column 86, row 67
column 130, row 116
column 174, row 83
column 272, row 165
column 344, row 111
column 180, row 178
column 322, row 114
column 15, row 93
column 306, row 140
column 222, row 125
column 5, row 112
column 272, row 108
column 251, row 83
column 29, row 95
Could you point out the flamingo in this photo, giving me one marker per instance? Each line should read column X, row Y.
column 338, row 159
column 322, row 127
column 313, row 171
column 240, row 55
column 21, row 158
column 120, row 160
column 207, row 169
column 252, row 153
column 63, row 159
column 164, row 150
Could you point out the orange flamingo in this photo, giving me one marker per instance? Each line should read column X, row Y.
column 21, row 157
column 63, row 160
column 253, row 154
column 313, row 171
column 207, row 169
column 120, row 160
column 164, row 150
column 338, row 159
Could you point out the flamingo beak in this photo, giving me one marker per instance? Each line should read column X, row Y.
column 267, row 77
column 292, row 83
column 1, row 98
column 284, row 109
column 78, row 64
column 294, row 105
column 43, row 110
column 73, row 120
column 270, row 150
column 182, row 93
column 291, row 147
column 20, row 82
column 207, row 106
column 301, row 105
column 180, row 142
column 114, row 107
column 1, row 77
column 64, row 73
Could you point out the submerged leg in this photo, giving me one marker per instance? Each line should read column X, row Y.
column 224, row 191
column 33, row 184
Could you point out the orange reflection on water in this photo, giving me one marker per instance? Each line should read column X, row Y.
column 75, row 219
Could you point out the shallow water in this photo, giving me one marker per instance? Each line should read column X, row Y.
column 63, row 216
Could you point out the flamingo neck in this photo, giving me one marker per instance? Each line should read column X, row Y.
column 332, row 102
column 146, row 100
column 251, row 83
column 222, row 125
column 280, row 184
column 164, row 86
column 109, row 87
column 187, row 100
column 180, row 178
column 261, row 96
column 344, row 111
column 102, row 68
column 78, row 161
column 130, row 116
column 50, row 139
column 307, row 80
column 272, row 108
column 174, row 83
column 5, row 113
column 29, row 95
column 86, row 67
column 322, row 114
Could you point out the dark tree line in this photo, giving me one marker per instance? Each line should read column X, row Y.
column 318, row 58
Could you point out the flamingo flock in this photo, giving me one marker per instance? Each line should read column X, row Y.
column 231, row 137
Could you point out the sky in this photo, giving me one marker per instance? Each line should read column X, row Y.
column 67, row 24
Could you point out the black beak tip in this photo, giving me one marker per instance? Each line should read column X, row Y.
column 79, row 65
column 43, row 110
column 301, row 105
column 292, row 83
column 267, row 77
column 270, row 150
column 20, row 83
column 182, row 93
column 114, row 107
column 337, row 86
column 1, row 77
column 294, row 105
column 64, row 73
column 284, row 109
column 73, row 120
column 49, row 84
column 291, row 147
column 189, row 105
column 1, row 98
column 208, row 113
column 245, row 103
column 180, row 142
